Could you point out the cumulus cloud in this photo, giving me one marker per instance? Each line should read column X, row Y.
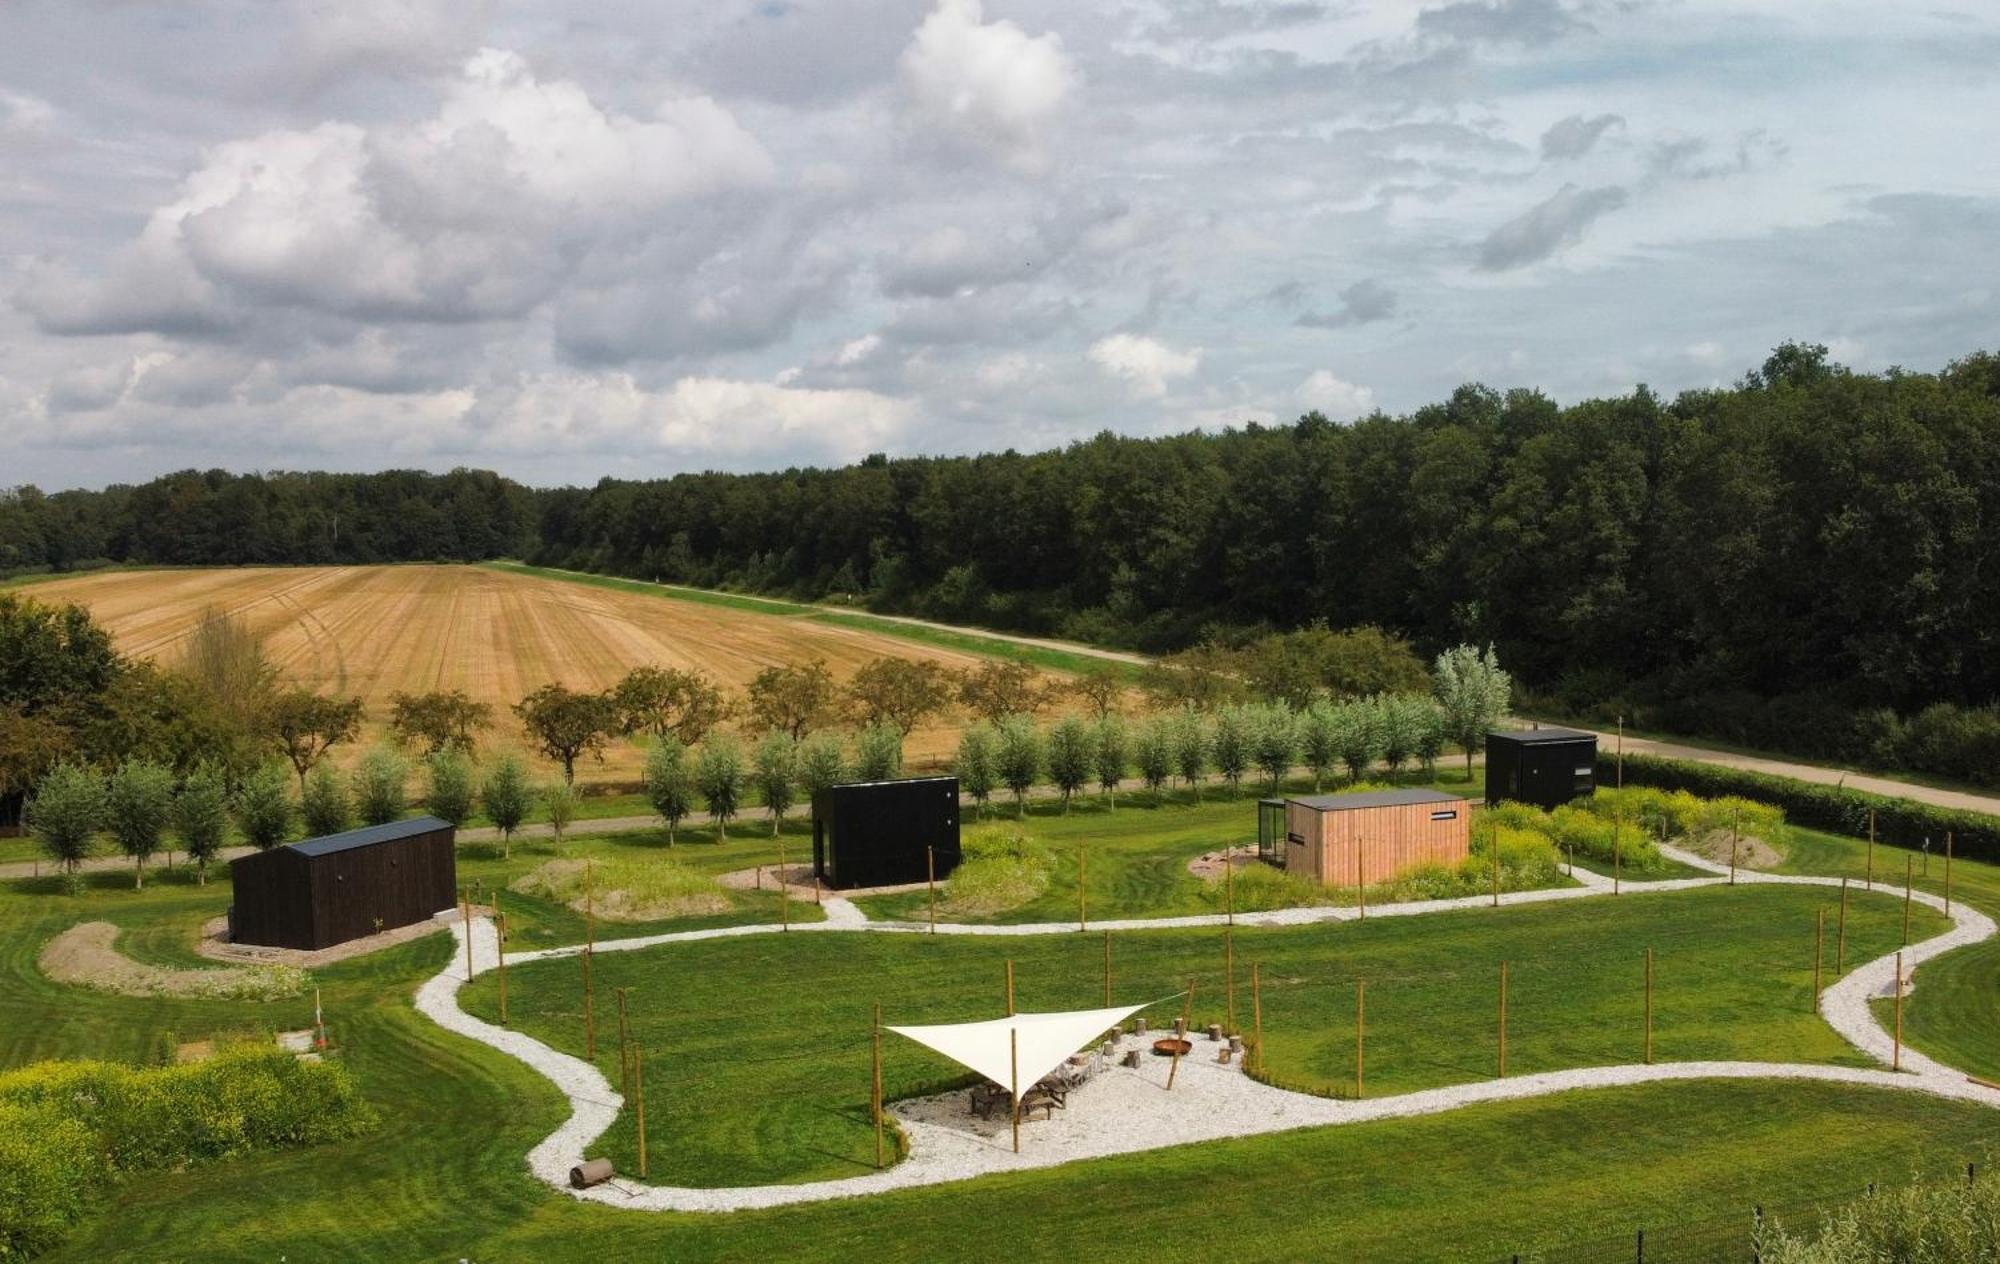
column 1529, row 22
column 1339, row 400
column 1547, row 228
column 1147, row 365
column 989, row 83
column 1360, row 303
column 1577, row 135
column 22, row 113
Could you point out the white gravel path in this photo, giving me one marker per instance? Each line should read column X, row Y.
column 1124, row 1111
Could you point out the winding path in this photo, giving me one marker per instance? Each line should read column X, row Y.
column 1230, row 1103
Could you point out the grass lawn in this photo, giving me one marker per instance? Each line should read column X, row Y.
column 770, row 1034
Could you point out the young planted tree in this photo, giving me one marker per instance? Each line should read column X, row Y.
column 1072, row 757
column 1319, row 740
column 718, row 774
column 441, row 719
column 380, row 781
column 450, row 793
column 1154, row 753
column 1190, row 750
column 1430, row 734
column 822, row 764
column 225, row 658
column 506, row 796
column 560, row 802
column 1112, row 745
column 1017, row 757
column 669, row 702
column 777, row 761
column 1355, row 737
column 324, row 803
column 999, row 688
column 304, row 726
column 794, row 700
column 878, row 753
column 566, row 725
column 201, row 816
column 669, row 782
column 138, row 805
column 1473, row 693
column 264, row 807
column 901, row 692
column 1274, row 741
column 1229, row 746
column 66, row 813
column 1396, row 722
column 976, row 765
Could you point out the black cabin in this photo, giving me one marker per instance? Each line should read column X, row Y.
column 874, row 833
column 1545, row 767
column 326, row 891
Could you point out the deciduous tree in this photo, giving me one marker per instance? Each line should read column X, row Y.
column 902, row 692
column 999, row 688
column 1154, row 752
column 439, row 719
column 1473, row 694
column 1111, row 743
column 1229, row 745
column 669, row 701
column 450, row 793
column 822, row 764
column 380, row 780
column 566, row 725
column 1274, row 741
column 264, row 807
column 138, row 806
column 66, row 813
column 777, row 762
column 794, row 700
column 669, row 782
column 324, row 803
column 718, row 773
column 201, row 816
column 1319, row 740
column 506, row 795
column 975, row 766
column 878, row 753
column 1190, row 749
column 1018, row 758
column 1072, row 757
column 304, row 725
column 560, row 802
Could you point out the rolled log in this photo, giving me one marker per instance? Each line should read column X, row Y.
column 590, row 1172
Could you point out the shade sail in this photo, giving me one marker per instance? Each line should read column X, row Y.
column 1044, row 1040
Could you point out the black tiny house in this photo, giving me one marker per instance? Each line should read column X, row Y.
column 326, row 891
column 1545, row 767
column 874, row 833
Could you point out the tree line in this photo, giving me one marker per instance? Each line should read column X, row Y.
column 1798, row 560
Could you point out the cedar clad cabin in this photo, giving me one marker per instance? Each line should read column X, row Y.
column 874, row 833
column 326, row 891
column 1545, row 767
column 1344, row 840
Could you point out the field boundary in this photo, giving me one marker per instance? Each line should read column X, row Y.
column 595, row 1103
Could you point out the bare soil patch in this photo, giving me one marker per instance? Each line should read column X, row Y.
column 1751, row 852
column 215, row 943
column 87, row 955
column 1210, row 864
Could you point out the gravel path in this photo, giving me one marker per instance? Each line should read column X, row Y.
column 1123, row 1111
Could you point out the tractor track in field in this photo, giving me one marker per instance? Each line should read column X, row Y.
column 1224, row 1103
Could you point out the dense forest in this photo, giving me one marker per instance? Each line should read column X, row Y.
column 1792, row 560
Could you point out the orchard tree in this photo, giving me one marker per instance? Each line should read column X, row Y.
column 718, row 774
column 777, row 775
column 1274, row 741
column 304, row 726
column 441, row 719
column 1319, row 740
column 324, row 804
column 794, row 700
column 999, row 688
column 138, row 806
column 1112, row 745
column 669, row 782
column 1017, row 757
column 506, row 795
column 669, row 702
column 900, row 692
column 380, row 781
column 1396, row 722
column 1430, row 735
column 560, row 802
column 1202, row 678
column 201, row 816
column 1473, row 694
column 1190, row 750
column 975, row 765
column 1229, row 746
column 66, row 813
column 1154, row 753
column 878, row 753
column 822, row 765
column 264, row 807
column 1356, row 737
column 450, row 793
column 566, row 725
column 1072, row 760
column 1099, row 687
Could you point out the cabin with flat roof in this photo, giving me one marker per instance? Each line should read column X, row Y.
column 326, row 891
column 885, row 833
column 1357, row 839
column 1545, row 767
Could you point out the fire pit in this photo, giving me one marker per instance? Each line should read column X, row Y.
column 1170, row 1047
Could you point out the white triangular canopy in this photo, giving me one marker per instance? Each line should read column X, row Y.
column 1042, row 1041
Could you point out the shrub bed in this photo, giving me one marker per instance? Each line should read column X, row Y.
column 1836, row 809
column 999, row 868
column 66, row 1128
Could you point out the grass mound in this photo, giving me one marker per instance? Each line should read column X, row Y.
column 1001, row 868
column 627, row 890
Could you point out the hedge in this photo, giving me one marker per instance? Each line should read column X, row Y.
column 68, row 1128
column 1836, row 809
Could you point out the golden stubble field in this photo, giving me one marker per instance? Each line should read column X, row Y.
column 374, row 631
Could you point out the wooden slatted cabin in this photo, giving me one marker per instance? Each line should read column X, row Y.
column 326, row 891
column 1344, row 840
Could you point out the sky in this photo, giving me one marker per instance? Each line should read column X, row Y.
column 567, row 240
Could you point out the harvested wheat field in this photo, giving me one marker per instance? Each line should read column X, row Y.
column 374, row 631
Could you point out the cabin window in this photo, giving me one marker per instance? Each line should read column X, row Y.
column 1448, row 814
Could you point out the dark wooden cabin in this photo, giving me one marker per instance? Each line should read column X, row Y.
column 1545, row 767
column 326, row 891
column 875, row 833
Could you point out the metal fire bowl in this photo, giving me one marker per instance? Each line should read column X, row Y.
column 1169, row 1047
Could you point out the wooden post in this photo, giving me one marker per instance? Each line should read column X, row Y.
column 1014, row 1079
column 624, row 1048
column 465, row 907
column 1649, row 1005
column 784, row 892
column 1947, row 873
column 1621, row 751
column 1187, row 1017
column 1617, row 852
column 1257, row 1017
column 1010, row 987
column 1081, row 907
column 1360, row 887
column 1896, row 1062
column 1107, row 969
column 1840, row 941
column 1493, row 841
column 875, row 1091
column 1229, row 978
column 500, row 944
column 589, row 1008
column 930, row 880
column 1360, row 1035
column 1735, row 821
column 1909, row 863
column 1871, row 849
column 817, row 897
column 639, row 1086
column 1229, row 884
column 1819, row 950
column 1503, row 1020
